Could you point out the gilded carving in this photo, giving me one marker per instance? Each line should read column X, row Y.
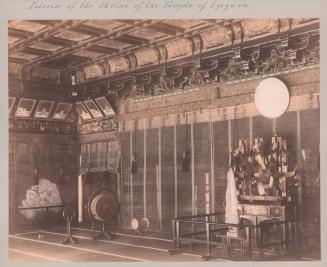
column 163, row 55
column 44, row 127
column 92, row 71
column 284, row 24
column 216, row 37
column 118, row 64
column 254, row 27
column 98, row 126
column 179, row 47
column 197, row 44
column 146, row 56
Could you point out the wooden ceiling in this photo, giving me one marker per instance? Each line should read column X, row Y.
column 64, row 44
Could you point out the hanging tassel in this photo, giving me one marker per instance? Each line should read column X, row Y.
column 134, row 164
column 186, row 161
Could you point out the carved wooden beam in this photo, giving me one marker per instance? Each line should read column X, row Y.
column 154, row 44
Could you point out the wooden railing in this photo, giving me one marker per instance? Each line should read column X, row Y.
column 211, row 231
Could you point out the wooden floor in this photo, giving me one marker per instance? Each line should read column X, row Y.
column 46, row 246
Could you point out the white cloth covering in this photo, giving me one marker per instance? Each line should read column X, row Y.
column 231, row 212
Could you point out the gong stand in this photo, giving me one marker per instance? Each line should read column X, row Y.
column 69, row 214
column 104, row 234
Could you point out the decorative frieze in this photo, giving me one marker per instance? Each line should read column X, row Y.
column 42, row 127
column 95, row 126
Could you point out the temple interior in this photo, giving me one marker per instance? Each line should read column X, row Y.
column 164, row 140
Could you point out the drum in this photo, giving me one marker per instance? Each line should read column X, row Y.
column 103, row 206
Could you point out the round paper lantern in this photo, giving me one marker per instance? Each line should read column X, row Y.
column 272, row 97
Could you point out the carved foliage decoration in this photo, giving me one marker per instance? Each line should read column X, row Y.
column 117, row 64
column 179, row 47
column 254, row 27
column 275, row 62
column 216, row 37
column 107, row 124
column 39, row 126
column 92, row 71
column 146, row 56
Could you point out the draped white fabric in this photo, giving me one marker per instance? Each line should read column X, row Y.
column 45, row 193
column 231, row 213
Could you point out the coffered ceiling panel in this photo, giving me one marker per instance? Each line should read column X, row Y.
column 46, row 46
column 73, row 36
column 108, row 25
column 26, row 25
column 12, row 39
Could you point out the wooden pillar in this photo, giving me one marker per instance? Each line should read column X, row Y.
column 130, row 174
column 175, row 174
column 144, row 172
column 207, row 193
column 299, row 161
column 192, row 169
column 159, row 199
column 212, row 166
column 80, row 197
column 229, row 141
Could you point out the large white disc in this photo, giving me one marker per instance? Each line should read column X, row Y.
column 272, row 97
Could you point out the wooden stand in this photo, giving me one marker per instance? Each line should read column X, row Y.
column 69, row 214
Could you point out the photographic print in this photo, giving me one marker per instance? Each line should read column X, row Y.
column 105, row 106
column 92, row 107
column 43, row 109
column 25, row 108
column 62, row 111
column 82, row 111
column 213, row 154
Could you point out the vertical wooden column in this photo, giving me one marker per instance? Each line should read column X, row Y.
column 159, row 199
column 229, row 141
column 80, row 197
column 251, row 131
column 80, row 191
column 175, row 173
column 130, row 173
column 274, row 131
column 207, row 193
column 299, row 161
column 192, row 169
column 212, row 166
column 144, row 171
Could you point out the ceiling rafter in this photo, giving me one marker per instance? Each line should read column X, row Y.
column 44, row 34
column 93, row 41
column 19, row 33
